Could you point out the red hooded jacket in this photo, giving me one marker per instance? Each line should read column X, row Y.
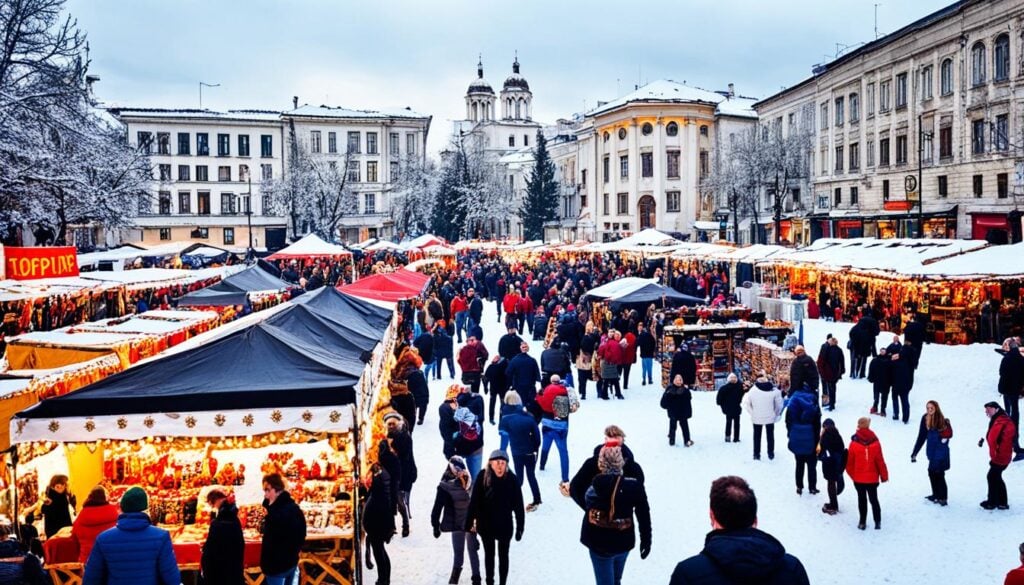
column 1000, row 439
column 89, row 524
column 864, row 460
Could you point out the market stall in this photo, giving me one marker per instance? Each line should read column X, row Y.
column 718, row 348
column 252, row 286
column 390, row 287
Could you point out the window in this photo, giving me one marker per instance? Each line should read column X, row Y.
column 370, row 203
column 646, row 164
column 267, row 146
column 332, row 142
column 823, row 167
column 943, row 186
column 796, row 195
column 165, row 172
column 606, row 168
column 371, row 143
column 184, row 202
column 371, row 171
column 978, row 137
column 885, row 190
column 201, row 233
column 884, row 97
column 672, row 164
column 822, row 201
column 526, row 140
column 946, row 77
column 583, row 201
column 824, row 116
column 926, row 83
column 163, row 143
column 165, row 234
column 672, row 130
column 165, row 202
column 183, row 172
column 703, row 130
column 203, row 202
column 243, row 145
column 223, row 174
column 606, row 207
column 227, row 204
column 624, row 167
column 705, row 164
column 1001, row 57
column 839, row 111
column 854, row 108
column 353, row 171
column 839, row 196
column 245, row 203
column 223, row 144
column 672, row 201
column 511, row 140
column 393, row 172
column 266, row 172
column 854, row 156
column 1001, row 140
column 978, row 184
column 871, row 99
column 927, row 146
column 268, row 206
column 583, row 179
column 1002, row 185
column 201, row 173
column 901, row 149
column 839, row 159
column 901, row 90
column 229, row 236
column 946, row 142
column 146, row 142
column 243, row 173
column 410, row 145
column 203, row 144
column 314, row 141
column 184, row 143
column 978, row 64
column 854, row 195
column 883, row 152
column 353, row 142
column 393, row 143
column 791, row 122
column 622, row 207
column 607, row 136
column 622, row 133
column 871, row 153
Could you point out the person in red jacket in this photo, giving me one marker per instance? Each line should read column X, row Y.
column 459, row 309
column 866, row 466
column 472, row 358
column 1016, row 576
column 1000, row 452
column 511, row 306
column 97, row 515
column 628, row 358
column 612, row 354
column 525, row 313
column 552, row 428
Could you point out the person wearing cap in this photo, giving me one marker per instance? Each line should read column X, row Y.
column 1000, row 451
column 134, row 552
column 223, row 559
column 449, row 515
column 495, row 513
column 865, row 464
column 284, row 532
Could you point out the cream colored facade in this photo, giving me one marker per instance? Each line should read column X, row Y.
column 951, row 85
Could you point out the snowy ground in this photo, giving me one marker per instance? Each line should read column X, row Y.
column 919, row 541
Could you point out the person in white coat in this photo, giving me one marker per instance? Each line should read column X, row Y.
column 763, row 404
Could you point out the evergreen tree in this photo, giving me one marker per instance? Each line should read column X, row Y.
column 446, row 220
column 541, row 202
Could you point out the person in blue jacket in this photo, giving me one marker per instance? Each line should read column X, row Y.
column 518, row 430
column 934, row 435
column 134, row 552
column 803, row 424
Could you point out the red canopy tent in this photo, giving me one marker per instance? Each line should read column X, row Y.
column 390, row 287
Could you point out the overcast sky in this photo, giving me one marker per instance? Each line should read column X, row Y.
column 369, row 54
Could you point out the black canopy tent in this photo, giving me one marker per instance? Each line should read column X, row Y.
column 330, row 302
column 661, row 296
column 345, row 335
column 235, row 289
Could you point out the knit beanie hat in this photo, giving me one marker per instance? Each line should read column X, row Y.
column 498, row 454
column 134, row 500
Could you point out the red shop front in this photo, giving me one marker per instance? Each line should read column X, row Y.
column 993, row 227
column 850, row 228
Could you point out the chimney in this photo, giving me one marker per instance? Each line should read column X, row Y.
column 732, row 90
column 295, row 102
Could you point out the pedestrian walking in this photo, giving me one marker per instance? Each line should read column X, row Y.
column 865, row 464
column 831, row 367
column 803, row 372
column 612, row 354
column 378, row 520
column 1000, row 453
column 832, row 453
column 1011, row 384
column 451, row 505
column 729, row 397
column 935, row 432
column 880, row 376
column 519, row 433
column 447, row 426
column 496, row 513
column 902, row 382
column 496, row 383
column 678, row 402
column 400, row 442
column 647, row 345
column 554, row 403
column 803, row 427
column 764, row 406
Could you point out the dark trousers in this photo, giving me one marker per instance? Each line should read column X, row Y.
column 1012, row 406
column 901, row 398
column 939, row 489
column 811, row 463
column 732, row 423
column 472, row 379
column 862, row 365
column 684, row 424
column 881, row 396
column 489, row 549
column 829, row 388
column 612, row 384
column 380, row 556
column 770, row 432
column 584, row 376
column 996, row 485
column 833, row 494
column 437, row 367
column 497, row 397
column 854, row 363
column 529, row 463
column 865, row 492
column 624, row 372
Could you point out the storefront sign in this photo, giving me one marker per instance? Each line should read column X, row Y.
column 897, row 205
column 33, row 263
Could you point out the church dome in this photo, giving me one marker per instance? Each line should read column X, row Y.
column 480, row 85
column 516, row 81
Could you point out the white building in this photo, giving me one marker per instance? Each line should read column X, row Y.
column 374, row 145
column 208, row 167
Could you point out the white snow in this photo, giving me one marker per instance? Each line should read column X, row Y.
column 340, row 112
column 919, row 541
column 666, row 90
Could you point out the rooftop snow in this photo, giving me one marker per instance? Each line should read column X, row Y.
column 666, row 90
column 339, row 112
column 252, row 115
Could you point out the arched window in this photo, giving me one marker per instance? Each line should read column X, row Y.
column 946, row 77
column 518, row 102
column 647, row 128
column 978, row 64
column 607, row 135
column 1001, row 58
column 672, row 129
column 703, row 130
column 647, row 209
column 622, row 133
column 475, row 118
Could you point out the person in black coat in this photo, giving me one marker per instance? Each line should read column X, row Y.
column 400, row 442
column 57, row 505
column 223, row 560
column 683, row 364
column 555, row 360
column 1011, row 382
column 803, row 372
column 880, row 376
column 647, row 346
column 914, row 333
column 831, row 367
column 902, row 381
column 284, row 530
column 495, row 512
column 508, row 345
column 444, row 350
column 420, row 391
column 496, row 383
column 379, row 519
column 449, row 515
column 678, row 401
column 729, row 397
column 424, row 344
column 832, row 453
column 858, row 350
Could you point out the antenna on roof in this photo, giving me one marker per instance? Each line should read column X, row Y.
column 876, row 20
column 201, row 85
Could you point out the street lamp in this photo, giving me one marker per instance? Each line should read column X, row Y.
column 248, row 218
column 921, row 134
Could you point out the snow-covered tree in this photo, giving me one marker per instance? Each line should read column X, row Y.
column 541, row 202
column 413, row 194
column 471, row 198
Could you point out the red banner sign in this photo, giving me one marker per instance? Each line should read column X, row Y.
column 33, row 263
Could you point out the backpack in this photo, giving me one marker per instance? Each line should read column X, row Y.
column 469, row 432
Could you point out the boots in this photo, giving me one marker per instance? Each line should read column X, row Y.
column 454, row 579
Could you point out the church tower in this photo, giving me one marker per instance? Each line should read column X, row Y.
column 480, row 97
column 516, row 99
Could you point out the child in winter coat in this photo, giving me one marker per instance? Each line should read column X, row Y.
column 832, row 453
column 865, row 465
column 936, row 431
column 677, row 400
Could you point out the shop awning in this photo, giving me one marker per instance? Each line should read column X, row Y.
column 655, row 293
column 235, row 289
column 617, row 287
column 390, row 287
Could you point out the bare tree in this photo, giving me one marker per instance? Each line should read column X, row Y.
column 786, row 163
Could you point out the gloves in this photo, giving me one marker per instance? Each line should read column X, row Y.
column 437, row 532
column 645, row 549
column 519, row 534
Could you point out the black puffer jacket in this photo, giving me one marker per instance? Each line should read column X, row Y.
column 450, row 505
column 379, row 509
column 630, row 499
column 224, row 551
column 747, row 556
column 493, row 505
column 284, row 532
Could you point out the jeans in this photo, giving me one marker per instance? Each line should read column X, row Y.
column 528, row 463
column 608, row 570
column 732, row 423
column 1012, row 406
column 996, row 485
column 451, row 368
column 288, row 577
column 865, row 492
column 684, row 424
column 462, row 541
column 770, row 432
column 646, row 371
column 940, row 491
column 557, row 431
column 502, row 550
column 430, row 366
column 471, row 324
column 460, row 324
column 811, row 463
column 473, row 463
